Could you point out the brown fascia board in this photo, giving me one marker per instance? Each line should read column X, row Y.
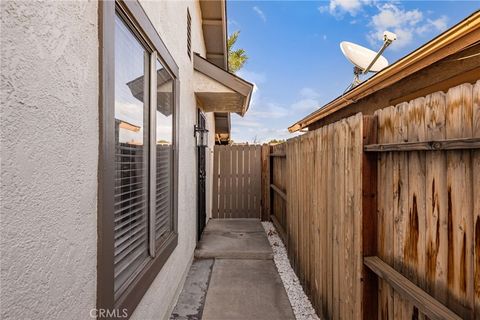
column 460, row 36
column 226, row 78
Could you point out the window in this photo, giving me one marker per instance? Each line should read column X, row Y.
column 131, row 155
column 164, row 152
column 189, row 34
column 137, row 205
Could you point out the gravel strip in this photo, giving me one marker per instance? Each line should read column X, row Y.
column 302, row 308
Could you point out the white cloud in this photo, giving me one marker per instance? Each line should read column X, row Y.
column 338, row 8
column 309, row 93
column 389, row 16
column 252, row 76
column 233, row 23
column 304, row 106
column 309, row 101
column 350, row 6
column 266, row 120
column 249, row 124
column 440, row 23
column 269, row 110
column 405, row 23
column 260, row 13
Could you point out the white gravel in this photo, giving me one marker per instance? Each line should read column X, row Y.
column 302, row 308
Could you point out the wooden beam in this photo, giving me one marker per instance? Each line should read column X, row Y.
column 369, row 218
column 278, row 154
column 212, row 22
column 435, row 145
column 425, row 303
column 214, row 55
column 468, row 76
column 279, row 191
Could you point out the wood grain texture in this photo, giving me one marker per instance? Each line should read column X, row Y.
column 459, row 118
column 265, row 200
column 237, row 185
column 424, row 302
column 385, row 133
column 324, row 215
column 430, row 145
column 476, row 196
column 436, row 201
column 414, row 249
column 368, row 227
column 422, row 218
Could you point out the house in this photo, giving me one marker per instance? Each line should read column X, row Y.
column 113, row 110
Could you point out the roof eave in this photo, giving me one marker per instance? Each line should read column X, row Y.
column 214, row 24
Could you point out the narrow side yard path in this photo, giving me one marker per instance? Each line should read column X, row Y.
column 302, row 307
column 243, row 282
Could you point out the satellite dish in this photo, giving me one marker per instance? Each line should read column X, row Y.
column 366, row 60
column 361, row 57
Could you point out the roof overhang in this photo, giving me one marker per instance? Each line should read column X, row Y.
column 214, row 25
column 217, row 90
column 464, row 34
column 222, row 127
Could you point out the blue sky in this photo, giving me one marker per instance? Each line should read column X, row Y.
column 294, row 57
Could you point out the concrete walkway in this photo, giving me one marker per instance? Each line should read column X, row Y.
column 233, row 276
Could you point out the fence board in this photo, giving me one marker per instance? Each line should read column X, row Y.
column 401, row 306
column 385, row 207
column 216, row 182
column 238, row 182
column 245, row 175
column 321, row 177
column 265, row 198
column 459, row 117
column 436, row 201
column 476, row 196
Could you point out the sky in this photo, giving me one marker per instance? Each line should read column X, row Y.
column 295, row 61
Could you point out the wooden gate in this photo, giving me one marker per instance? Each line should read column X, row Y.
column 237, row 182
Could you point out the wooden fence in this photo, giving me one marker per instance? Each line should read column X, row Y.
column 237, row 181
column 277, row 187
column 402, row 186
column 324, row 216
column 429, row 201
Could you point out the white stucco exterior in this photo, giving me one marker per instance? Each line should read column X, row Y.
column 49, row 142
column 49, row 159
column 159, row 299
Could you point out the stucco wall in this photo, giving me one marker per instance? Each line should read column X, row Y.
column 49, row 137
column 49, row 155
column 170, row 20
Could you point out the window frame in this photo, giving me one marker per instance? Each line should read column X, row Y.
column 136, row 19
column 189, row 34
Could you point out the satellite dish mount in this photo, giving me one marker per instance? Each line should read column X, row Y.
column 366, row 60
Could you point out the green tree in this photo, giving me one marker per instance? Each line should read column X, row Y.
column 236, row 58
column 275, row 141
